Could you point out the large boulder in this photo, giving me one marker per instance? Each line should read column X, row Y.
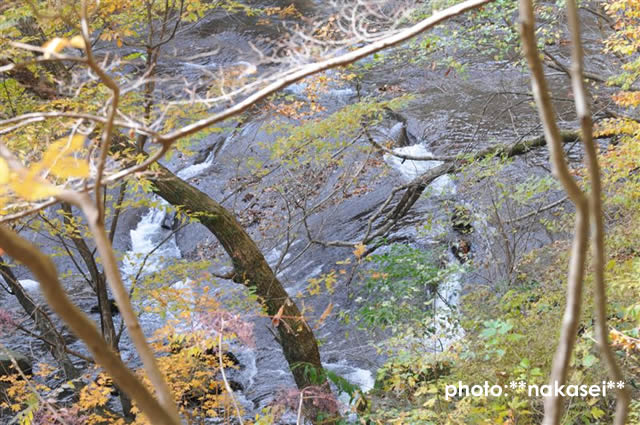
column 7, row 366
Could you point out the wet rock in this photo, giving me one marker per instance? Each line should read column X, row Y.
column 170, row 221
column 236, row 386
column 7, row 366
column 203, row 154
column 461, row 219
column 461, row 249
column 398, row 134
column 114, row 308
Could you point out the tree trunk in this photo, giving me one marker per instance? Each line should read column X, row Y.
column 107, row 327
column 99, row 284
column 251, row 269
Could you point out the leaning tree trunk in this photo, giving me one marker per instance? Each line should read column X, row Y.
column 251, row 269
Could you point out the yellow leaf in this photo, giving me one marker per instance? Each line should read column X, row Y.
column 59, row 160
column 70, row 167
column 55, row 45
column 4, row 171
column 77, row 42
column 66, row 144
column 32, row 189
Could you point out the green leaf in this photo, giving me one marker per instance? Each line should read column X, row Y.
column 589, row 360
column 597, row 413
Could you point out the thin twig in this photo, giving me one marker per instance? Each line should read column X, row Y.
column 224, row 376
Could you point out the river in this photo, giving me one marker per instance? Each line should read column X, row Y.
column 451, row 113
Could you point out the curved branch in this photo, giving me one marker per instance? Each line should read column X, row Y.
column 571, row 318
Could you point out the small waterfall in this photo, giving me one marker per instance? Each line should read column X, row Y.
column 150, row 232
column 447, row 328
column 410, row 169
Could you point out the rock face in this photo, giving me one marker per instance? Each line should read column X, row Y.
column 7, row 366
column 398, row 134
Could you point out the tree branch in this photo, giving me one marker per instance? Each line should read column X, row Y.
column 596, row 214
column 107, row 132
column 571, row 317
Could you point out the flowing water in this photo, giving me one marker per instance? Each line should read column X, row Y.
column 148, row 246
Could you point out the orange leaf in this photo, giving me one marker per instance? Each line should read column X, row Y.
column 325, row 314
column 360, row 250
column 276, row 319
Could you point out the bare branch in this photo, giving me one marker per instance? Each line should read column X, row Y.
column 538, row 211
column 571, row 317
column 596, row 213
column 25, row 119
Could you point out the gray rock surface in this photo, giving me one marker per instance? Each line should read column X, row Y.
column 7, row 366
